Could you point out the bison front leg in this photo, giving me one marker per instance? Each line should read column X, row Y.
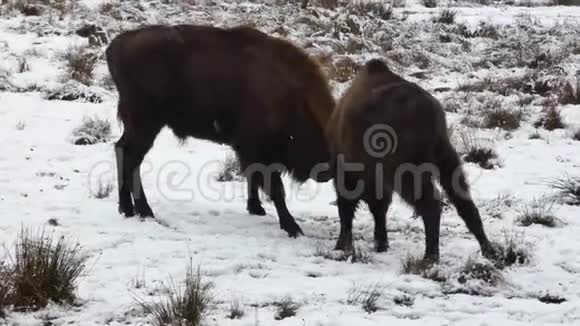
column 349, row 192
column 379, row 208
column 254, row 205
column 275, row 189
column 346, row 209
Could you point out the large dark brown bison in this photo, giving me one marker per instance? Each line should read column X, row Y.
column 262, row 95
column 388, row 134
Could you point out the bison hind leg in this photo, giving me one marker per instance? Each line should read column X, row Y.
column 138, row 137
column 125, row 205
column 423, row 196
column 454, row 183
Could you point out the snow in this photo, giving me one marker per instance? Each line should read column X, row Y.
column 502, row 15
column 44, row 176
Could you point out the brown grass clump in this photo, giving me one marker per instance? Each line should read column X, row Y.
column 5, row 289
column 551, row 118
column 186, row 306
column 43, row 269
column 502, row 116
column 80, row 64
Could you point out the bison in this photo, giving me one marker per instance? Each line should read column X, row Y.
column 261, row 95
column 390, row 135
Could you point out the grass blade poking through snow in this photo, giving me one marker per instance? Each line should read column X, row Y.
column 478, row 150
column 45, row 270
column 236, row 309
column 184, row 306
column 5, row 289
column 513, row 249
column 286, row 308
column 416, row 265
column 539, row 211
column 476, row 277
column 568, row 188
column 92, row 130
column 576, row 135
column 366, row 297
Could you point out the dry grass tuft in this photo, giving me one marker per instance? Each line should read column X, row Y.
column 92, row 130
column 418, row 266
column 551, row 118
column 477, row 270
column 80, row 64
column 539, row 211
column 186, row 306
column 477, row 151
column 366, row 297
column 104, row 190
column 236, row 309
column 476, row 277
column 569, row 94
column 376, row 9
column 358, row 255
column 328, row 4
column 5, row 289
column 502, row 117
column 446, row 16
column 511, row 250
column 430, row 3
column 568, row 189
column 576, row 135
column 286, row 308
column 44, row 270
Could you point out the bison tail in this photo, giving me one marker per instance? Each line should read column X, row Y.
column 451, row 174
column 113, row 55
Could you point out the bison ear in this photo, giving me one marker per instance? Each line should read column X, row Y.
column 376, row 66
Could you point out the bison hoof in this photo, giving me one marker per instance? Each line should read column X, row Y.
column 126, row 211
column 431, row 258
column 255, row 208
column 345, row 246
column 490, row 252
column 381, row 246
column 294, row 230
column 145, row 212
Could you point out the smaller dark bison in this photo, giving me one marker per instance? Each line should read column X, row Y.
column 388, row 134
column 261, row 95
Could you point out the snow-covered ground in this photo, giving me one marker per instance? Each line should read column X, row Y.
column 43, row 176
